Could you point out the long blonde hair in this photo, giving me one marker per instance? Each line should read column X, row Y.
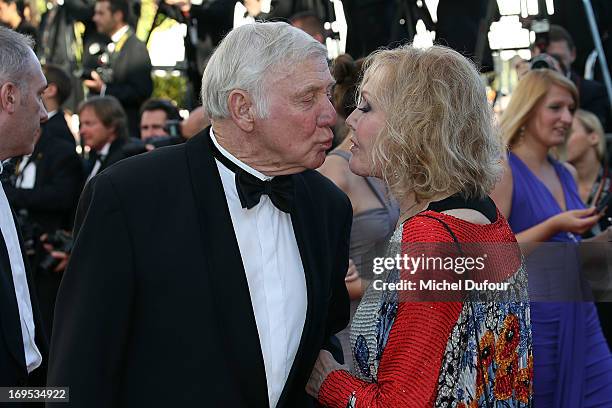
column 531, row 90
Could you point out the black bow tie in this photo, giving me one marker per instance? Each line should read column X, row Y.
column 250, row 188
column 95, row 156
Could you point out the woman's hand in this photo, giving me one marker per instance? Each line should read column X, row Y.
column 576, row 221
column 351, row 274
column 323, row 367
column 354, row 285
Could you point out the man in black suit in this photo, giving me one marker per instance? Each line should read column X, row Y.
column 211, row 273
column 59, row 89
column 593, row 95
column 103, row 128
column 47, row 187
column 23, row 347
column 125, row 72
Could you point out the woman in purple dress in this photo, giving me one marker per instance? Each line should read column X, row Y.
column 538, row 195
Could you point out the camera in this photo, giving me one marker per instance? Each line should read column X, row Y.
column 546, row 61
column 541, row 61
column 106, row 74
column 30, row 231
column 174, row 135
column 173, row 128
column 541, row 28
column 60, row 241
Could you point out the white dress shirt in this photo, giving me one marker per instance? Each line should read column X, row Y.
column 33, row 357
column 102, row 155
column 26, row 173
column 274, row 273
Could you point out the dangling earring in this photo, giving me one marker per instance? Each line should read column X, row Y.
column 521, row 132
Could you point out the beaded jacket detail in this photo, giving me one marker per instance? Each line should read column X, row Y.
column 464, row 354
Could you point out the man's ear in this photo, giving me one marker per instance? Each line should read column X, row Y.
column 241, row 109
column 9, row 97
column 51, row 91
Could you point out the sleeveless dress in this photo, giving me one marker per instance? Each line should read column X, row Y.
column 572, row 362
column 370, row 233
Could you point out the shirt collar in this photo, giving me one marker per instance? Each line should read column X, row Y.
column 237, row 162
column 117, row 36
column 104, row 151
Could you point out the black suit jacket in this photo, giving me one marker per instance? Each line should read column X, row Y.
column 51, row 205
column 131, row 83
column 13, row 371
column 120, row 149
column 59, row 180
column 155, row 299
column 57, row 127
column 593, row 98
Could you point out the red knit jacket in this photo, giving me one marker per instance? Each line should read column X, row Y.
column 410, row 366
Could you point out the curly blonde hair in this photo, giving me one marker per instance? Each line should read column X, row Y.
column 439, row 137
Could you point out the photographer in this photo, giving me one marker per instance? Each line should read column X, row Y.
column 125, row 67
column 160, row 124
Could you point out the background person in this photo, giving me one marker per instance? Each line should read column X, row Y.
column 125, row 67
column 538, row 194
column 593, row 95
column 23, row 344
column 103, row 128
column 46, row 188
column 586, row 151
column 160, row 123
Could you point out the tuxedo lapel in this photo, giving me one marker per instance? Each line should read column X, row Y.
column 228, row 284
column 9, row 311
column 307, row 238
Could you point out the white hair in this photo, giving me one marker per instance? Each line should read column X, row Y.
column 248, row 57
column 15, row 56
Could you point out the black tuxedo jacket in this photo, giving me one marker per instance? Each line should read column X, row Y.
column 59, row 180
column 132, row 83
column 119, row 149
column 593, row 98
column 51, row 205
column 58, row 128
column 154, row 309
column 13, row 371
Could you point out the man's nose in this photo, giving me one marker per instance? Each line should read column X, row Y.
column 328, row 115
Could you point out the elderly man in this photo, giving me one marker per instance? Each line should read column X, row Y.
column 22, row 343
column 210, row 273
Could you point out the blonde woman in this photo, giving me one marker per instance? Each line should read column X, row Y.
column 538, row 194
column 423, row 125
column 586, row 151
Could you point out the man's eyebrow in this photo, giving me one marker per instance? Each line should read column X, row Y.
column 315, row 88
column 307, row 90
